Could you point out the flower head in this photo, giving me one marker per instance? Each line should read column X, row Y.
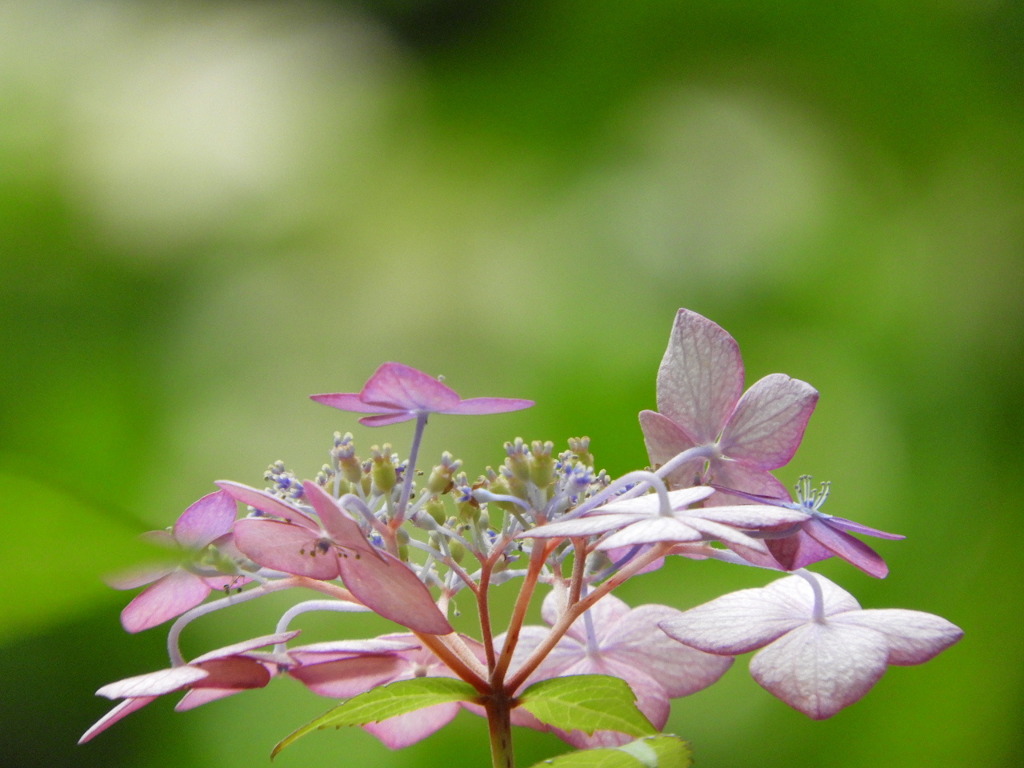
column 201, row 538
column 700, row 382
column 397, row 393
column 820, row 652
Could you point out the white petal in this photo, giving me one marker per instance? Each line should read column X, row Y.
column 914, row 637
column 821, row 667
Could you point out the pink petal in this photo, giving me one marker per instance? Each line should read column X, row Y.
column 388, row 418
column 403, row 730
column 267, row 503
column 914, row 637
column 769, row 421
column 205, row 520
column 235, row 672
column 821, row 667
column 740, row 476
column 336, row 650
column 850, row 525
column 285, row 547
column 119, row 712
column 196, row 697
column 700, row 378
column 400, row 386
column 348, row 677
column 853, row 551
column 391, row 589
column 153, row 683
column 237, row 649
column 664, row 440
column 485, row 405
column 637, row 641
column 348, row 402
column 171, row 596
column 344, row 531
column 137, row 577
column 797, row 551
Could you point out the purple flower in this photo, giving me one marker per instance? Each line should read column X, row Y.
column 397, row 393
column 211, row 676
column 820, row 652
column 820, row 535
column 331, row 546
column 347, row 668
column 183, row 584
column 614, row 639
column 700, row 382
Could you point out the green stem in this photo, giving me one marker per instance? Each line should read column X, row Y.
column 499, row 727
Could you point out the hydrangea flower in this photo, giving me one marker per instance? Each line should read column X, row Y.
column 614, row 639
column 182, row 585
column 211, row 676
column 699, row 388
column 331, row 546
column 397, row 393
column 819, row 651
column 821, row 535
column 641, row 520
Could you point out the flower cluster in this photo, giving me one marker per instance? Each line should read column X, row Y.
column 368, row 536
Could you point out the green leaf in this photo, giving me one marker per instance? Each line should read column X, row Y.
column 386, row 701
column 586, row 703
column 662, row 751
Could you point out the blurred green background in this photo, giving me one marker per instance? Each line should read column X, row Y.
column 209, row 211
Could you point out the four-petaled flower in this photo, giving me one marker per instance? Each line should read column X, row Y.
column 820, row 652
column 396, row 393
column 821, row 535
column 330, row 547
column 614, row 639
column 699, row 405
column 184, row 584
column 211, row 676
column 642, row 520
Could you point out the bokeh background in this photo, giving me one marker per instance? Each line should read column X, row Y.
column 209, row 211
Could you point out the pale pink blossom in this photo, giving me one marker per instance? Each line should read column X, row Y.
column 200, row 533
column 819, row 651
column 397, row 393
column 331, row 545
column 211, row 676
column 700, row 383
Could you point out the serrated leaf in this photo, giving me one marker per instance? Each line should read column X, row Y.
column 391, row 700
column 662, row 751
column 586, row 703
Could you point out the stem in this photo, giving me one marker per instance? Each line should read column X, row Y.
column 574, row 611
column 818, row 612
column 410, row 469
column 499, row 728
column 174, row 651
column 537, row 559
